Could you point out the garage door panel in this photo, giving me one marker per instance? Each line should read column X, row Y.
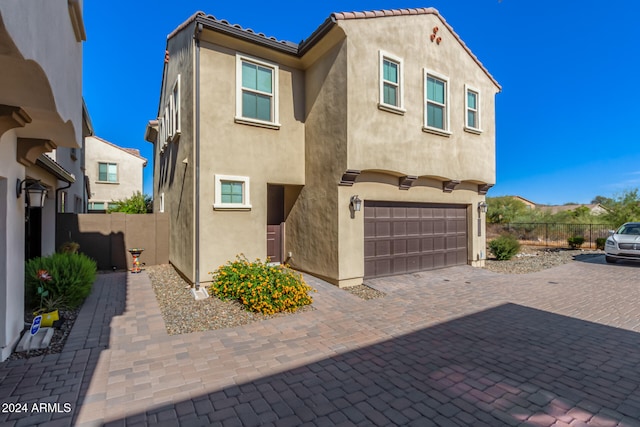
column 383, row 229
column 408, row 237
column 399, row 247
column 399, row 228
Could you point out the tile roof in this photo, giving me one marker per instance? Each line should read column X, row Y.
column 301, row 48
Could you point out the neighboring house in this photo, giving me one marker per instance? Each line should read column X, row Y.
column 266, row 147
column 528, row 203
column 594, row 208
column 114, row 173
column 41, row 110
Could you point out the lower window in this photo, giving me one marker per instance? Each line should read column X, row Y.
column 231, row 192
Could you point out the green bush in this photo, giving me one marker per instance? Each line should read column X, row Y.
column 261, row 287
column 504, row 247
column 575, row 242
column 72, row 276
column 600, row 241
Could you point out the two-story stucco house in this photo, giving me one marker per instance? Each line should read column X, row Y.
column 114, row 173
column 364, row 151
column 41, row 109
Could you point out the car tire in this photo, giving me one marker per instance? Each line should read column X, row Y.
column 610, row 260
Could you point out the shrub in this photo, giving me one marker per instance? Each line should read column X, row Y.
column 72, row 276
column 504, row 247
column 600, row 241
column 261, row 287
column 575, row 242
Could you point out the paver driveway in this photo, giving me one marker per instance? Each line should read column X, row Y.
column 459, row 346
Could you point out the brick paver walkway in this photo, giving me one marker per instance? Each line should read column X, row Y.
column 453, row 347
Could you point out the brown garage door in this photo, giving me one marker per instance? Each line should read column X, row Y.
column 406, row 237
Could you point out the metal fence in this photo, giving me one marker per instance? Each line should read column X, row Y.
column 550, row 234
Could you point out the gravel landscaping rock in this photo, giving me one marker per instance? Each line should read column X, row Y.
column 183, row 314
column 531, row 259
column 365, row 292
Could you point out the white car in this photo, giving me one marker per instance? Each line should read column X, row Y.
column 624, row 243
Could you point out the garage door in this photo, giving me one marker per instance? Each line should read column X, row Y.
column 402, row 238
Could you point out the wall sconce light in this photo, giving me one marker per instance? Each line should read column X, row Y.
column 482, row 207
column 355, row 204
column 36, row 192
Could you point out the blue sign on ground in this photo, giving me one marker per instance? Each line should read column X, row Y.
column 35, row 326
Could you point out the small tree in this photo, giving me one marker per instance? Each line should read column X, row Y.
column 623, row 208
column 502, row 210
column 138, row 203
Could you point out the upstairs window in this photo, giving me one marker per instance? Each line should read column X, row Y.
column 174, row 110
column 108, row 172
column 391, row 90
column 437, row 113
column 473, row 109
column 257, row 91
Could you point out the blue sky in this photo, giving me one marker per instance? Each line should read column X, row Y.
column 567, row 117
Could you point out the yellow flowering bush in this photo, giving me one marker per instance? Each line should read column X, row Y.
column 261, row 287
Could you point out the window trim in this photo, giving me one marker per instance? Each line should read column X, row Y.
column 447, row 104
column 246, row 193
column 468, row 128
column 117, row 181
column 398, row 109
column 239, row 118
column 161, row 202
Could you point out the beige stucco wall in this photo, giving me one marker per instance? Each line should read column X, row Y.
column 351, row 132
column 379, row 139
column 265, row 156
column 175, row 166
column 130, row 170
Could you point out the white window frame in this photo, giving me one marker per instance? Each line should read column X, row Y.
column 398, row 109
column 174, row 110
column 239, row 118
column 168, row 125
column 246, row 193
column 447, row 104
column 117, row 181
column 161, row 202
column 467, row 126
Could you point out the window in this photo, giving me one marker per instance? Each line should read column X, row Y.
column 231, row 192
column 108, row 172
column 257, row 92
column 175, row 110
column 473, row 109
column 96, row 206
column 161, row 202
column 437, row 111
column 62, row 203
column 391, row 90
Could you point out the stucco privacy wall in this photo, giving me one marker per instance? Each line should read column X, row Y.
column 265, row 156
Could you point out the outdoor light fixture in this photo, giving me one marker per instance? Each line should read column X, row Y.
column 482, row 207
column 356, row 203
column 36, row 192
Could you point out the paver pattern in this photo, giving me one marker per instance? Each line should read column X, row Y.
column 452, row 347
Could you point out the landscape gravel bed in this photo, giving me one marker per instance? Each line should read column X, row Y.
column 531, row 259
column 183, row 314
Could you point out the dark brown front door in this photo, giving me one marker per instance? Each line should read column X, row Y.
column 406, row 237
column 275, row 222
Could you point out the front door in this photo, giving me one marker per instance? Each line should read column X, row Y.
column 275, row 222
